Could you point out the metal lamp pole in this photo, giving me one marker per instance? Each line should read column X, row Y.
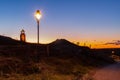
column 38, row 16
column 38, row 31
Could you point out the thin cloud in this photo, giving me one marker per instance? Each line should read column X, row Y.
column 114, row 42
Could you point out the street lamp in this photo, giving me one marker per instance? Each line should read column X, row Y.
column 38, row 15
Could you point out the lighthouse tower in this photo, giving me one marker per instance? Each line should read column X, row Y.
column 22, row 36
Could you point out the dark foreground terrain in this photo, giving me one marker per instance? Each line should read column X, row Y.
column 59, row 60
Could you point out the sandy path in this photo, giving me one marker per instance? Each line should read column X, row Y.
column 111, row 72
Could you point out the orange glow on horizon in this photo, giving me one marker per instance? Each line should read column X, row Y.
column 97, row 45
column 93, row 44
column 42, row 41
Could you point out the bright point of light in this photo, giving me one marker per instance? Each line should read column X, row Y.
column 38, row 15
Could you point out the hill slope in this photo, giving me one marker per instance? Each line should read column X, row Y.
column 64, row 47
column 9, row 41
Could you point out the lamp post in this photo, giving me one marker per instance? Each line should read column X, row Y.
column 38, row 16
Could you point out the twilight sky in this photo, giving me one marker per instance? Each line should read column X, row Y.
column 94, row 22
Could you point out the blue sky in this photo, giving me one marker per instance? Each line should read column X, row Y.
column 75, row 20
